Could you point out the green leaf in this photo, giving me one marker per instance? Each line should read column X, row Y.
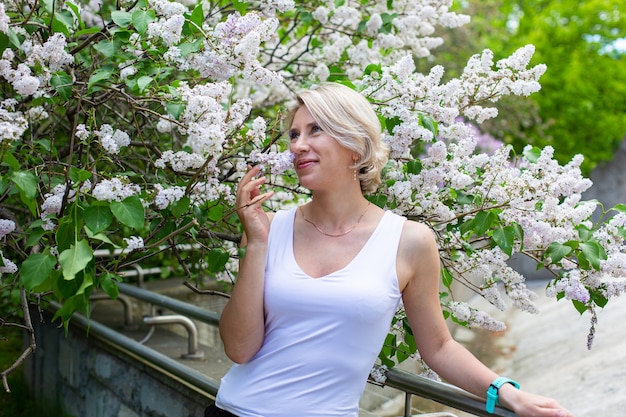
column 141, row 19
column 190, row 47
column 594, row 253
column 65, row 234
column 414, row 167
column 446, row 277
column 143, row 82
column 62, row 83
column 598, row 298
column 197, row 15
column 9, row 159
column 240, row 6
column 75, row 259
column 63, row 21
column 579, row 306
column 174, row 109
column 98, row 217
column 504, row 237
column 483, row 221
column 557, row 251
column 216, row 212
column 130, row 212
column 429, row 123
column 109, row 285
column 34, row 236
column 390, row 123
column 70, row 306
column 99, row 236
column 101, row 74
column 373, row 68
column 620, row 207
column 379, row 200
column 107, row 47
column 79, row 175
column 217, row 258
column 36, row 269
column 26, row 183
column 180, row 207
column 532, row 154
column 121, row 18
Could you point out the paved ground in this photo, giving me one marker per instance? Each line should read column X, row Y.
column 547, row 354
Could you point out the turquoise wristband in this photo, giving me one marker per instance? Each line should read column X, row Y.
column 493, row 390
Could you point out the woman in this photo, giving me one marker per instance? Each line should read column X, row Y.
column 317, row 290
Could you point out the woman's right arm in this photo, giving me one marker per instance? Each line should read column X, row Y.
column 242, row 323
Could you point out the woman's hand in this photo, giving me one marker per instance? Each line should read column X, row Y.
column 525, row 404
column 249, row 201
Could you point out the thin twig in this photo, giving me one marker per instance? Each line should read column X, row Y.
column 28, row 325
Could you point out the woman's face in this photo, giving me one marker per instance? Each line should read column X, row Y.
column 319, row 160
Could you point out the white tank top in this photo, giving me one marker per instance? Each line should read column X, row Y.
column 322, row 335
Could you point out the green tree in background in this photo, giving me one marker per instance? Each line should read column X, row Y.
column 582, row 105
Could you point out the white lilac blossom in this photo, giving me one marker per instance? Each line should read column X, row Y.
column 211, row 190
column 53, row 201
column 473, row 317
column 166, row 196
column 9, row 266
column 12, row 124
column 133, row 242
column 6, row 227
column 167, row 9
column 115, row 189
column 257, row 131
column 169, row 30
column 277, row 162
column 112, row 140
column 4, row 20
column 51, row 54
column 180, row 161
column 82, row 132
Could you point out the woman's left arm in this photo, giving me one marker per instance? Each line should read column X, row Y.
column 419, row 275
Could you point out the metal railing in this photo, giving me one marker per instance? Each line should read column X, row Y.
column 407, row 382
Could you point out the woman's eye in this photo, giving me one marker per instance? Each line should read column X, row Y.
column 293, row 135
column 315, row 129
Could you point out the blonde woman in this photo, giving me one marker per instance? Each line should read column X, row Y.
column 319, row 284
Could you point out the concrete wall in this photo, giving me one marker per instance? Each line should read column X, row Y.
column 84, row 378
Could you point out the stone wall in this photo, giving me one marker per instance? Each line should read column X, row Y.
column 85, row 378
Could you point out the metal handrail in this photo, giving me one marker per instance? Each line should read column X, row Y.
column 189, row 310
column 440, row 392
column 191, row 378
column 190, row 326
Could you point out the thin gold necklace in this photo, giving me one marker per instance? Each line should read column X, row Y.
column 339, row 234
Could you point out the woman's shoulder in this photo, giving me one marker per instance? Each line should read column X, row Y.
column 417, row 236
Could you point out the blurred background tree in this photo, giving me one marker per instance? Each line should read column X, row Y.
column 581, row 108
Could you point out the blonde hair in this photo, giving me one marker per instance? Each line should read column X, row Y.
column 349, row 118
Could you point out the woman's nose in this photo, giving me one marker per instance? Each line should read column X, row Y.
column 299, row 144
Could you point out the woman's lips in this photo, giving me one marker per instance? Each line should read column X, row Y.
column 305, row 163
